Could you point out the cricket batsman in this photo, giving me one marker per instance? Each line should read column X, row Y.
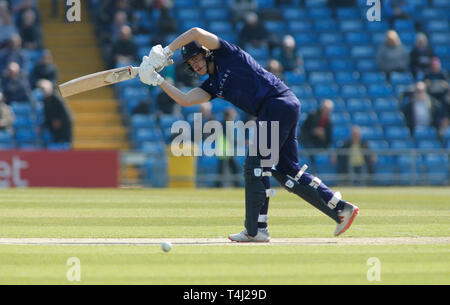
column 236, row 77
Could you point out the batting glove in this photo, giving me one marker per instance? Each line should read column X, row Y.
column 159, row 57
column 148, row 75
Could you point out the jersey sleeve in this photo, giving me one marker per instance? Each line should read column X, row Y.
column 225, row 48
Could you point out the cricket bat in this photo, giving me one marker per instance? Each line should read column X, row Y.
column 97, row 80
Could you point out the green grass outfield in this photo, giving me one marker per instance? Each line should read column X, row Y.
column 214, row 213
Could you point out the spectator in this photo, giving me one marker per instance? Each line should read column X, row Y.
column 124, row 51
column 240, row 8
column 45, row 69
column 120, row 19
column 144, row 107
column 166, row 26
column 420, row 57
column 392, row 55
column 58, row 119
column 227, row 164
column 253, row 34
column 6, row 116
column 437, row 81
column 21, row 8
column 7, row 27
column 13, row 53
column 16, row 87
column 276, row 68
column 398, row 9
column 356, row 162
column 288, row 57
column 30, row 31
column 317, row 129
column 422, row 109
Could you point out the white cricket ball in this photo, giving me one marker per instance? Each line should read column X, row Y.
column 166, row 246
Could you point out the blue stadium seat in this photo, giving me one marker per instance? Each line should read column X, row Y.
column 278, row 27
column 326, row 91
column 302, row 38
column 135, row 93
column 392, row 118
column 380, row 90
column 216, row 14
column 22, row 108
column 436, row 168
column 433, row 26
column 316, row 78
column 385, row 168
column 5, row 137
column 337, row 50
column 369, row 78
column 340, row 118
column 339, row 105
column 316, row 65
column 359, row 52
column 401, row 78
column 311, row 51
column 378, row 144
column 220, row 27
column 353, row 91
column 264, row 4
column 401, row 144
column 308, row 105
column 26, row 136
column 385, row 104
column 442, row 50
column 347, row 78
column 341, row 132
column 294, row 13
column 444, row 4
column 294, row 78
column 189, row 14
column 166, row 120
column 377, row 27
column 396, row 133
column 428, row 144
column 372, row 133
column 315, row 3
column 378, row 38
column 350, row 25
column 142, row 121
column 359, row 105
column 261, row 54
column 148, row 135
column 425, row 133
column 208, row 4
column 357, row 38
column 364, row 118
column 342, row 64
column 433, row 14
column 440, row 38
column 299, row 26
column 366, row 65
column 319, row 13
column 330, row 38
column 153, row 148
column 24, row 121
column 407, row 38
column 143, row 40
column 325, row 25
column 302, row 91
column 402, row 25
column 347, row 13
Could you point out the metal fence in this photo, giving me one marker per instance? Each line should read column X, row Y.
column 381, row 168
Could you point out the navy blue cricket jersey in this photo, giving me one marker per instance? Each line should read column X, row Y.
column 239, row 79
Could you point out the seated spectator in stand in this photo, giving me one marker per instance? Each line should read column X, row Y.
column 253, row 34
column 13, row 53
column 166, row 26
column 16, row 87
column 45, row 69
column 288, row 57
column 228, row 169
column 7, row 26
column 21, row 7
column 58, row 118
column 392, row 55
column 144, row 107
column 422, row 110
column 420, row 57
column 356, row 163
column 120, row 19
column 30, row 31
column 6, row 116
column 317, row 129
column 240, row 8
column 275, row 67
column 437, row 81
column 398, row 9
column 124, row 51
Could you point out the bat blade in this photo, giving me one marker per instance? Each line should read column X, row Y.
column 97, row 80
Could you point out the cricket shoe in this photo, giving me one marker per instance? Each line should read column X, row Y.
column 262, row 236
column 346, row 216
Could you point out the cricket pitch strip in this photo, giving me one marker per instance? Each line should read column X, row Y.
column 226, row 242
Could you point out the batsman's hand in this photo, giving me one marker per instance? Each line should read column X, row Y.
column 147, row 73
column 159, row 57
